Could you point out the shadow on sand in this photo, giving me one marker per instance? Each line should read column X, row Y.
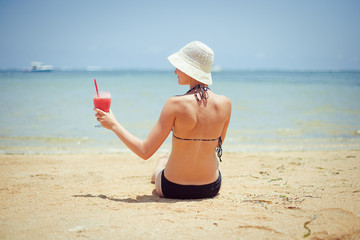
column 139, row 199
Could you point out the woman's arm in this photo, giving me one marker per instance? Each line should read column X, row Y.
column 143, row 148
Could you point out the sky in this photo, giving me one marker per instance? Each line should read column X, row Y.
column 140, row 34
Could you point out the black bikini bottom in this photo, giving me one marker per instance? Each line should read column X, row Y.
column 174, row 190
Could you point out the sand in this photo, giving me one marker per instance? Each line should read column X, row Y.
column 281, row 195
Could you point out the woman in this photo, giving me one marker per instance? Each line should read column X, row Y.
column 198, row 120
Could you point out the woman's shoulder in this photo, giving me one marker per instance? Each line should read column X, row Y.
column 223, row 100
column 183, row 99
column 174, row 102
column 178, row 99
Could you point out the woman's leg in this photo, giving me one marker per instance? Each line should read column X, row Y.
column 156, row 177
column 160, row 165
column 158, row 184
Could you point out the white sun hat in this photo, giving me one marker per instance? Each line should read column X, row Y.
column 195, row 60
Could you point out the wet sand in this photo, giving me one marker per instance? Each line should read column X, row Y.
column 280, row 195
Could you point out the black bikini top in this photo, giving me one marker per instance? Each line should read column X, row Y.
column 218, row 149
column 204, row 95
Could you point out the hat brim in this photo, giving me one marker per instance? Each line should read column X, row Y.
column 197, row 74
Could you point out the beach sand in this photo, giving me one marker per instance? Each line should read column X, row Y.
column 280, row 195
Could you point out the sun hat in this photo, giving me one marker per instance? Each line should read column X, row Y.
column 195, row 60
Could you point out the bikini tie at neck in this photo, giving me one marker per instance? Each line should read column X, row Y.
column 204, row 95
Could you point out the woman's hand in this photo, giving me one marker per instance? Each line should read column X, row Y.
column 107, row 120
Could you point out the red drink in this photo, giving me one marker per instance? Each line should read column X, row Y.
column 103, row 101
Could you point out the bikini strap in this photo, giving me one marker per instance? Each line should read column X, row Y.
column 219, row 150
column 196, row 139
column 204, row 95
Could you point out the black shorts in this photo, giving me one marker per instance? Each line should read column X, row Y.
column 178, row 191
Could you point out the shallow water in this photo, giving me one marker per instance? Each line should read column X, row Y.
column 272, row 110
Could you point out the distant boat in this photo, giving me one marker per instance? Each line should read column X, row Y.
column 39, row 67
column 216, row 68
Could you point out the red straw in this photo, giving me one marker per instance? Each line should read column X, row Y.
column 97, row 91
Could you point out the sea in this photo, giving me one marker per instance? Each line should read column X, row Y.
column 272, row 110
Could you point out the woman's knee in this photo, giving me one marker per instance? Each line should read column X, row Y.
column 158, row 184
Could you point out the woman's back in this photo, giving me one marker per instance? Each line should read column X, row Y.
column 197, row 128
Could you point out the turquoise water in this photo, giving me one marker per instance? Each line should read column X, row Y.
column 272, row 110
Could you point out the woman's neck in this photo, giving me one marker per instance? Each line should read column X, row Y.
column 194, row 83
